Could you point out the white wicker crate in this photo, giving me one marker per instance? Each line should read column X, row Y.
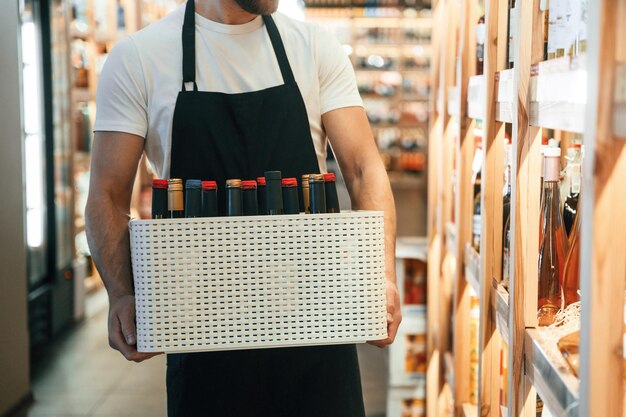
column 258, row 282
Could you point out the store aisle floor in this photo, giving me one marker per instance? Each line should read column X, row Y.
column 83, row 377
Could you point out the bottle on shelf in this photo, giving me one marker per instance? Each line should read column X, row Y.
column 249, row 197
column 261, row 195
column 330, row 188
column 234, row 204
column 571, row 275
column 306, row 206
column 290, row 196
column 506, row 211
column 480, row 45
column 476, row 223
column 193, row 198
column 317, row 194
column 274, row 193
column 209, row 199
column 553, row 244
column 159, row 199
column 476, row 181
column 175, row 204
column 512, row 13
column 572, row 187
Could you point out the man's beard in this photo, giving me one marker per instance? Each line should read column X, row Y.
column 263, row 7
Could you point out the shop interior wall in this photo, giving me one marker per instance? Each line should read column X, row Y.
column 14, row 367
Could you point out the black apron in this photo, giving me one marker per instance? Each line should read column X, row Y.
column 220, row 136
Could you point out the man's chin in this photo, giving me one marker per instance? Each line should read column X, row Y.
column 262, row 7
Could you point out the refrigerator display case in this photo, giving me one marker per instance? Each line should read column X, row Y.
column 48, row 167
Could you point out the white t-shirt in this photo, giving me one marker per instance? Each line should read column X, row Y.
column 143, row 75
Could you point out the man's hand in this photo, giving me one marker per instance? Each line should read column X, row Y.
column 122, row 330
column 394, row 316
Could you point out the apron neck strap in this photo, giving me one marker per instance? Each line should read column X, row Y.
column 189, row 47
column 279, row 50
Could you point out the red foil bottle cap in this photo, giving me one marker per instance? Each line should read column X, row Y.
column 248, row 185
column 289, row 182
column 162, row 184
column 209, row 185
column 330, row 177
column 261, row 181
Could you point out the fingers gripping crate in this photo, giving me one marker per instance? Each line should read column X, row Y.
column 258, row 282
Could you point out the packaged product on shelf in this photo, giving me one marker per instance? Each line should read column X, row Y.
column 571, row 274
column 474, row 348
column 480, row 44
column 511, row 34
column 476, row 182
column 570, row 188
column 553, row 244
column 407, row 401
column 569, row 346
column 407, row 356
column 414, row 282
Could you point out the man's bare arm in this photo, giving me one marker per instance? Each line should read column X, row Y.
column 356, row 151
column 115, row 157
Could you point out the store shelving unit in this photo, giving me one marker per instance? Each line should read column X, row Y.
column 390, row 48
column 585, row 95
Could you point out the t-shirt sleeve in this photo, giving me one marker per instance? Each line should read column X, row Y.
column 121, row 102
column 338, row 86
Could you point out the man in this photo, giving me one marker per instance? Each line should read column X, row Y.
column 256, row 91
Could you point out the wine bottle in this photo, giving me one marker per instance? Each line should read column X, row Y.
column 506, row 254
column 317, row 194
column 553, row 245
column 480, row 45
column 249, row 195
column 330, row 189
column 476, row 223
column 209, row 199
column 175, row 205
column 306, row 206
column 159, row 199
column 571, row 275
column 193, row 198
column 234, row 205
column 261, row 195
column 290, row 196
column 571, row 201
column 274, row 193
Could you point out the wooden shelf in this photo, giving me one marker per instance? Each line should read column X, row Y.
column 469, row 410
column 501, row 299
column 506, row 95
column 472, row 268
column 558, row 94
column 451, row 237
column 476, row 97
column 550, row 375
